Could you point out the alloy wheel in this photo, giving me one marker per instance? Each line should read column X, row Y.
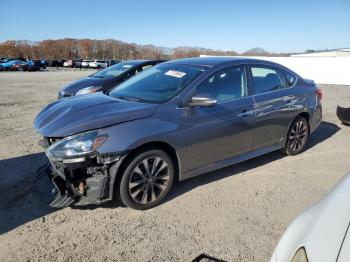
column 298, row 135
column 149, row 179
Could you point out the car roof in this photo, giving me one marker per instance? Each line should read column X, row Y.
column 216, row 60
column 138, row 62
column 134, row 62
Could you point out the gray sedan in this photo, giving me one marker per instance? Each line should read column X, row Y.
column 174, row 121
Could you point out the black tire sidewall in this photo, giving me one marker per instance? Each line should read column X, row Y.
column 288, row 150
column 124, row 194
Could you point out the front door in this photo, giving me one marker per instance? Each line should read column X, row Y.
column 224, row 130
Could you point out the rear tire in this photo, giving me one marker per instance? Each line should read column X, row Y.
column 147, row 179
column 297, row 137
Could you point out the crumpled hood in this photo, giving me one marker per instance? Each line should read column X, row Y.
column 78, row 114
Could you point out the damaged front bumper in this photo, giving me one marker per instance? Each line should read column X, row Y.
column 78, row 181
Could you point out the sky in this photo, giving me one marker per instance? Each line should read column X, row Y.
column 275, row 25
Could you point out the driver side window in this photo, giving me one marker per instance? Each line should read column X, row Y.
column 227, row 84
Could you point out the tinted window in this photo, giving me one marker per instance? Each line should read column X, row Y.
column 146, row 67
column 158, row 83
column 266, row 79
column 142, row 68
column 114, row 70
column 226, row 84
column 289, row 79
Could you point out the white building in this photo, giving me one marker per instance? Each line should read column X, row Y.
column 344, row 52
column 324, row 68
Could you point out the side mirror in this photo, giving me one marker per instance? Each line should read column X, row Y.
column 202, row 101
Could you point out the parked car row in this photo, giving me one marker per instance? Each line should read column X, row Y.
column 96, row 63
column 20, row 64
column 155, row 123
column 56, row 63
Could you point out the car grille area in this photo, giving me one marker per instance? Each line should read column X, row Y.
column 49, row 191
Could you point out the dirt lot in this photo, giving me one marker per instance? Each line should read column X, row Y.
column 236, row 214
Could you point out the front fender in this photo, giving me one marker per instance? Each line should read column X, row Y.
column 125, row 137
column 130, row 135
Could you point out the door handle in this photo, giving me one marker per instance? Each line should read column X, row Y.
column 246, row 113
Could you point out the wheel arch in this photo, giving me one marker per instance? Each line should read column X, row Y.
column 305, row 115
column 120, row 166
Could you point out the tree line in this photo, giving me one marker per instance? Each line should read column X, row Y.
column 69, row 48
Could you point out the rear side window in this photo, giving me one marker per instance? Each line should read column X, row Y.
column 266, row 79
column 146, row 67
column 225, row 85
column 289, row 79
column 142, row 68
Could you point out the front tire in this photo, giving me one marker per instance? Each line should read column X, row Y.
column 297, row 136
column 147, row 179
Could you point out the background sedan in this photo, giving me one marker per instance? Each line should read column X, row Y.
column 106, row 79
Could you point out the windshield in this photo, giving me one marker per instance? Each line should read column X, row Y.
column 114, row 70
column 157, row 84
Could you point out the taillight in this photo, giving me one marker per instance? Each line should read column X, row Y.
column 319, row 93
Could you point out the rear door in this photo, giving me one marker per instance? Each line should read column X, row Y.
column 220, row 132
column 274, row 104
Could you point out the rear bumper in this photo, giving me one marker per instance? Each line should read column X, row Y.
column 315, row 119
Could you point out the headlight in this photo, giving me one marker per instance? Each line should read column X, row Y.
column 300, row 256
column 75, row 146
column 88, row 90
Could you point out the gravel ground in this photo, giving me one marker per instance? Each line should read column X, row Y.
column 235, row 214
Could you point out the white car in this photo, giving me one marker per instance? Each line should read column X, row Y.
column 320, row 233
column 85, row 63
column 98, row 64
column 66, row 64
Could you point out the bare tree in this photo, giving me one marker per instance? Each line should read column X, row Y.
column 69, row 48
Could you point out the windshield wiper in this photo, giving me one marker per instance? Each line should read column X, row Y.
column 96, row 76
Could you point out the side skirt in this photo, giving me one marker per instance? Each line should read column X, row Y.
column 230, row 161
